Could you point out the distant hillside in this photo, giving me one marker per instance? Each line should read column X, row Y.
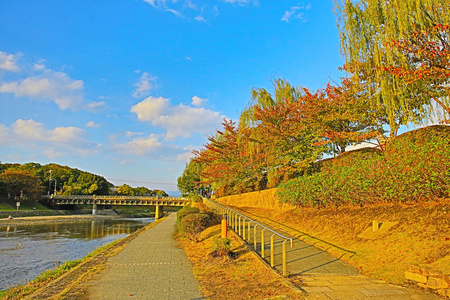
column 53, row 177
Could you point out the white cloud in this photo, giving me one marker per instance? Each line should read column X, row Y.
column 62, row 140
column 241, row 2
column 145, row 84
column 197, row 101
column 131, row 133
column 178, row 121
column 92, row 124
column 185, row 157
column 200, row 18
column 151, row 108
column 39, row 66
column 190, row 4
column 66, row 92
column 155, row 3
column 8, row 62
column 295, row 12
column 175, row 12
column 139, row 146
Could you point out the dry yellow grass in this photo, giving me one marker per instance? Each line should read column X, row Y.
column 243, row 277
column 422, row 235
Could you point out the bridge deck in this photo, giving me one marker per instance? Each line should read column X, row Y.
column 116, row 200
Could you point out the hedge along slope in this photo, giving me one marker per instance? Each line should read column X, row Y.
column 415, row 166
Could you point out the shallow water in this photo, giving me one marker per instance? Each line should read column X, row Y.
column 28, row 250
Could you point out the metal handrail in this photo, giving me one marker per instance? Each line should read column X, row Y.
column 282, row 236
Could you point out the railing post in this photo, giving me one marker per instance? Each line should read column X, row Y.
column 243, row 229
column 284, row 257
column 239, row 226
column 262, row 243
column 255, row 242
column 272, row 261
column 249, row 231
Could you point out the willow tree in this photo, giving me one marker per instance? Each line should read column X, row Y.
column 262, row 99
column 367, row 27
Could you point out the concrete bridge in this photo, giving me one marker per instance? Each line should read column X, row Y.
column 99, row 202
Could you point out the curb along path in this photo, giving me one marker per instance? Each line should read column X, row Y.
column 323, row 276
column 149, row 267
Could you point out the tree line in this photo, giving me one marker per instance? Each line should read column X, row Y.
column 396, row 72
column 32, row 180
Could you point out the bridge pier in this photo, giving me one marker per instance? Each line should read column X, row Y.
column 159, row 212
column 98, row 209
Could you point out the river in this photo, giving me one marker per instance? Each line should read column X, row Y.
column 28, row 250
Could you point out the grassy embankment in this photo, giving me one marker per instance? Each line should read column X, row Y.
column 408, row 185
column 420, row 237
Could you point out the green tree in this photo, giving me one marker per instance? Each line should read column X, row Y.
column 21, row 183
column 142, row 190
column 262, row 99
column 189, row 182
column 125, row 190
column 160, row 193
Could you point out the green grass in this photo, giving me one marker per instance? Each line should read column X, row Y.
column 10, row 204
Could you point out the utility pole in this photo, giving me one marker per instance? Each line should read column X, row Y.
column 49, row 183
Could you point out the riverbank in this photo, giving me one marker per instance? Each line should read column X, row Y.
column 63, row 280
column 50, row 219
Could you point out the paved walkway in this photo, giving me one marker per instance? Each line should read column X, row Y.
column 321, row 275
column 149, row 267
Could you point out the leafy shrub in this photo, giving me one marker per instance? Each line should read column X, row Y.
column 415, row 166
column 196, row 198
column 186, row 210
column 221, row 247
column 193, row 224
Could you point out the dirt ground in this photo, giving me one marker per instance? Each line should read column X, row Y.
column 241, row 277
column 420, row 236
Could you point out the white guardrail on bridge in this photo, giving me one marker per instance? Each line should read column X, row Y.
column 238, row 222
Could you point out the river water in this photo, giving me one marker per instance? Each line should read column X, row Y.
column 28, row 250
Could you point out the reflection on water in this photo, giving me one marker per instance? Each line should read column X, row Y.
column 28, row 250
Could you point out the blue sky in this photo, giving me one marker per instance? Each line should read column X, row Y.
column 128, row 88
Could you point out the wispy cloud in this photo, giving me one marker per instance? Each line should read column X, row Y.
column 296, row 12
column 196, row 10
column 175, row 12
column 200, row 18
column 92, row 124
column 178, row 121
column 144, row 85
column 242, row 2
column 8, row 62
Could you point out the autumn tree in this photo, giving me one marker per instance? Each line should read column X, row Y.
column 366, row 27
column 428, row 70
column 21, row 183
